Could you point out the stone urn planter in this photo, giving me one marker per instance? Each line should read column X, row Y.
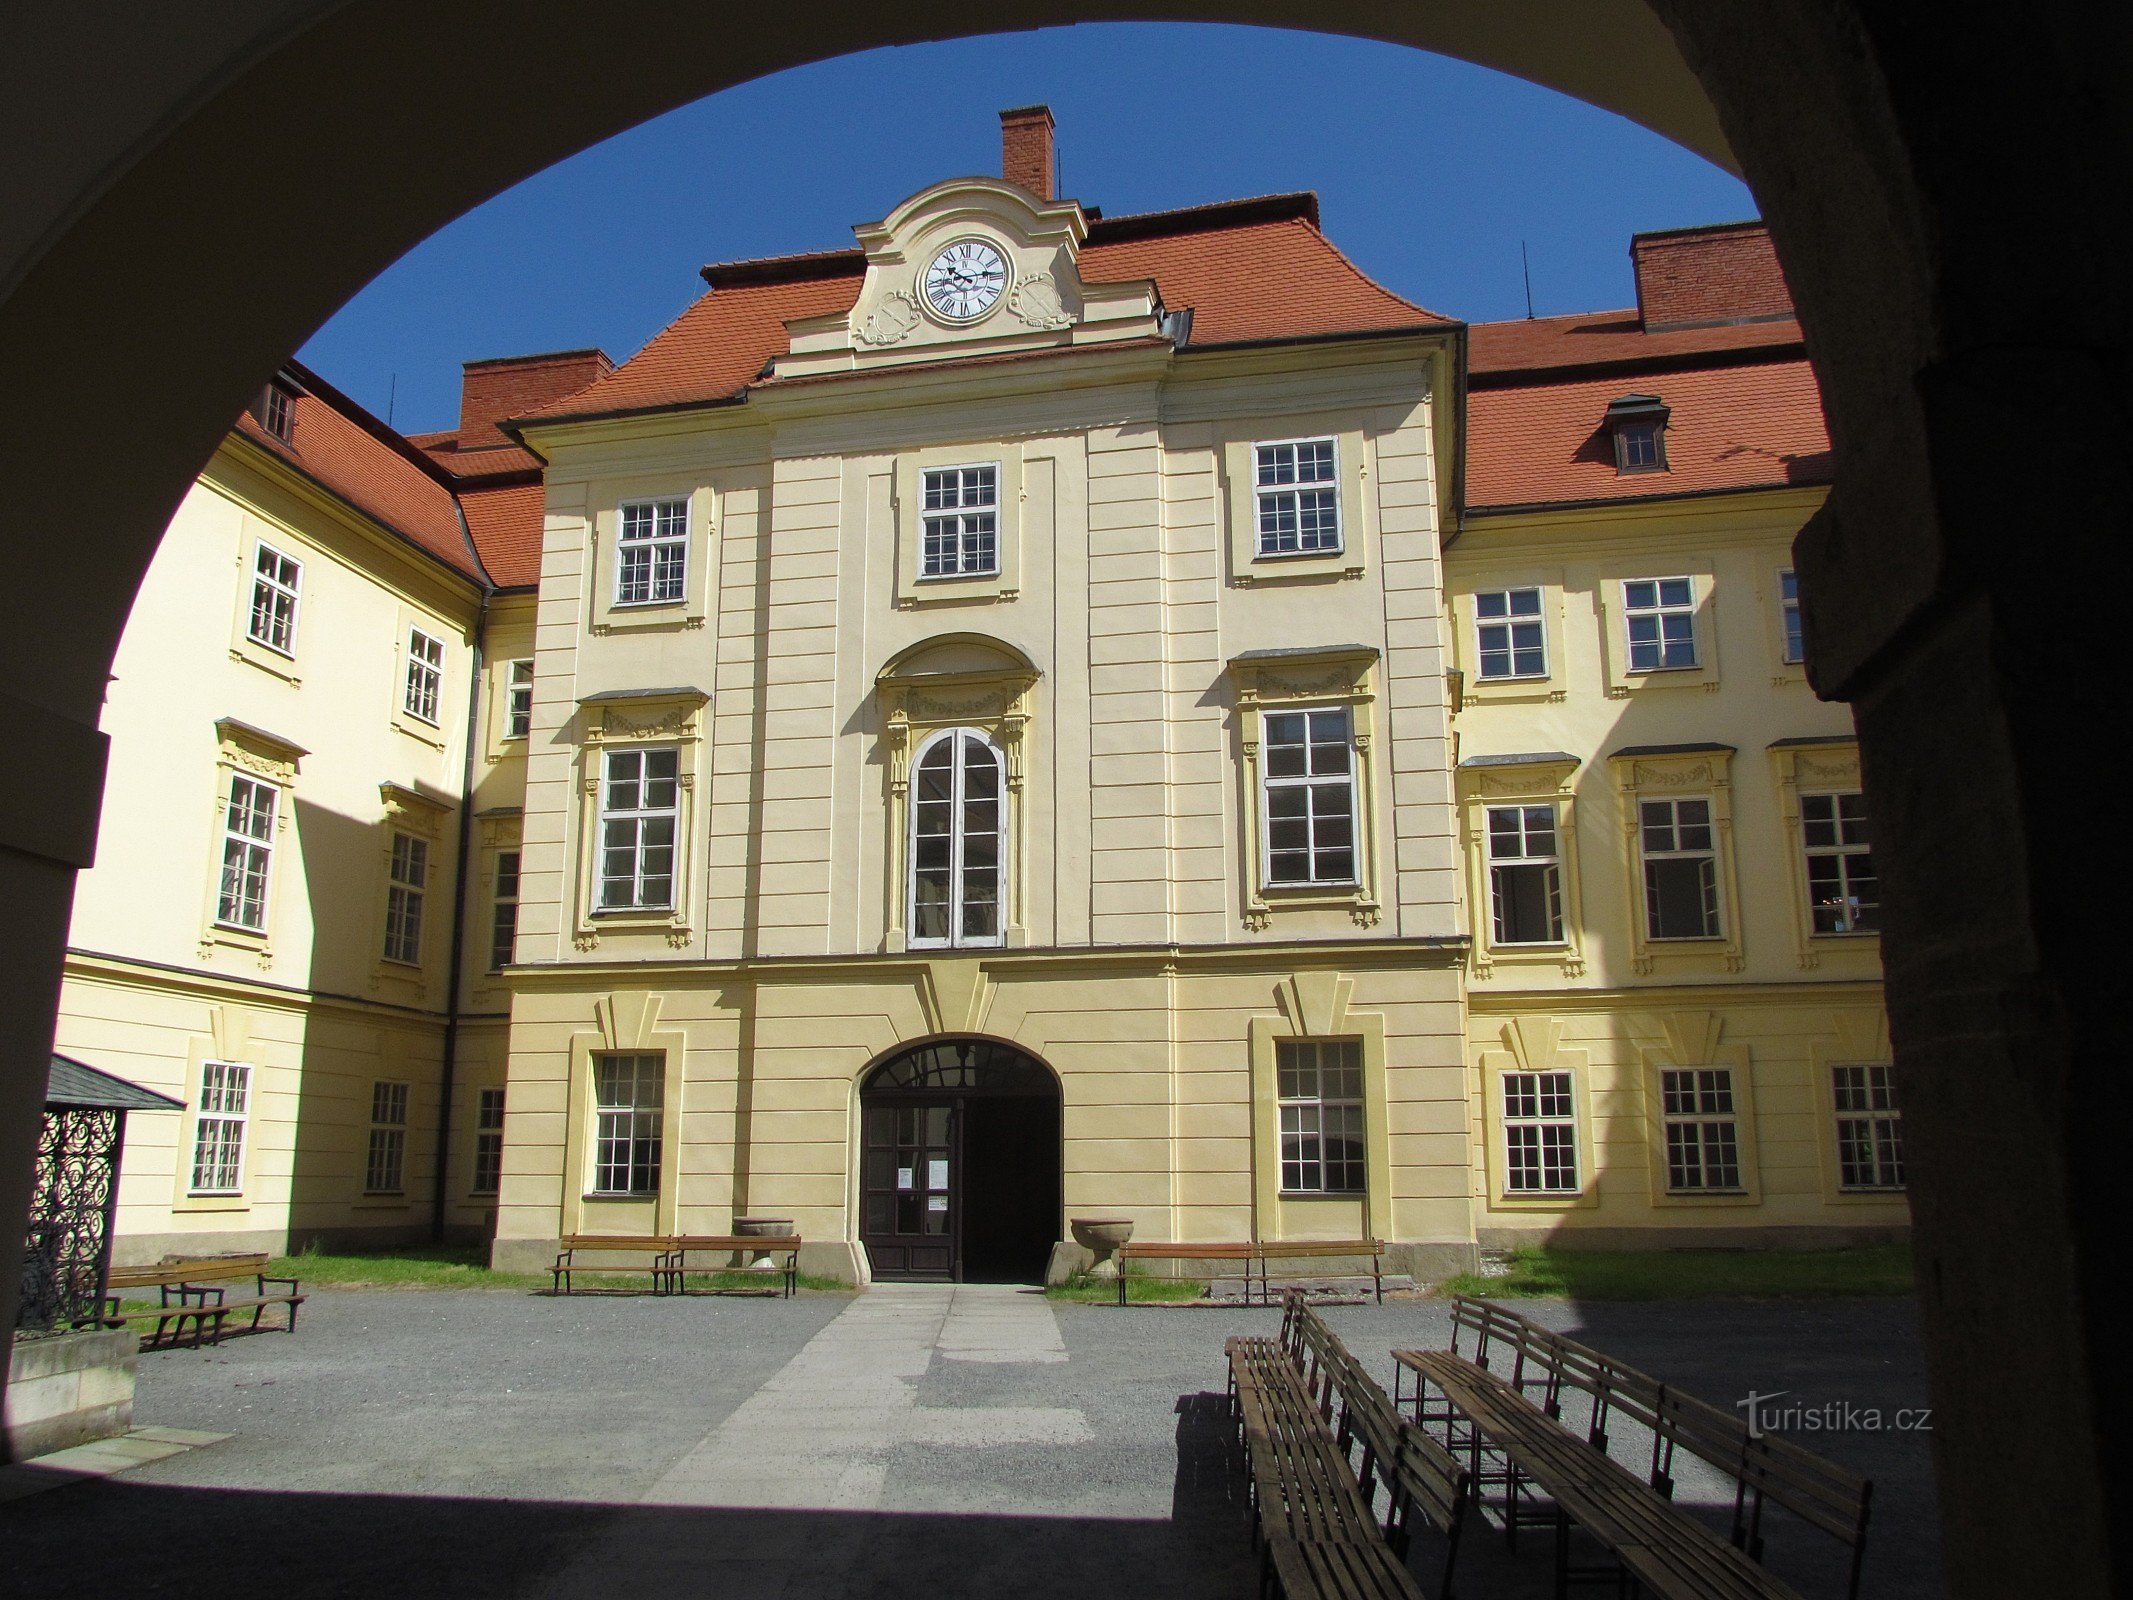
column 762, row 1228
column 1101, row 1237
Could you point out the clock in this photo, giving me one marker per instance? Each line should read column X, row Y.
column 964, row 281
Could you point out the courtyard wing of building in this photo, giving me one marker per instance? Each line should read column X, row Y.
column 1034, row 716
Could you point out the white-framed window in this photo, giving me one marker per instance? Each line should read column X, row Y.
column 276, row 579
column 959, row 522
column 1507, row 626
column 1309, row 783
column 1789, row 616
column 503, row 911
column 422, row 690
column 1680, row 850
column 385, row 1169
column 1869, row 1128
column 247, row 853
column 629, row 1101
column 518, row 700
column 1843, row 892
column 640, row 814
column 1702, row 1130
column 1296, row 488
column 652, row 552
column 1661, row 616
column 1540, row 1133
column 1320, row 1090
column 407, row 887
column 218, row 1133
column 488, row 1142
column 958, row 840
column 1525, row 876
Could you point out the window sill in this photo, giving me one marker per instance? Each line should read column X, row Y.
column 1330, row 552
column 1322, row 1194
column 612, row 1195
column 953, row 577
column 639, row 607
column 268, row 660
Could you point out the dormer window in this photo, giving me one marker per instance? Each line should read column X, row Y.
column 277, row 412
column 1638, row 423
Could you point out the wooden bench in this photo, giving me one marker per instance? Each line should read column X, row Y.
column 1255, row 1251
column 668, row 1255
column 785, row 1244
column 1504, row 1397
column 1314, row 1507
column 654, row 1246
column 201, row 1296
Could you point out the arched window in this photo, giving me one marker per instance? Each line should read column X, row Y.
column 958, row 827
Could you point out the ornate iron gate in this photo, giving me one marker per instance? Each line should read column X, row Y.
column 72, row 1209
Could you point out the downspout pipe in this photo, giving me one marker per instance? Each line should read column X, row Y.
column 461, row 891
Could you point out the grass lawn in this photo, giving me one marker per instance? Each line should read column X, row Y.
column 1692, row 1274
column 1139, row 1290
column 465, row 1266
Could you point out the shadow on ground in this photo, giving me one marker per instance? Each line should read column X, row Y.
column 112, row 1536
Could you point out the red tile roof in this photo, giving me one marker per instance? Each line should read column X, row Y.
column 342, row 447
column 1248, row 270
column 1732, row 427
column 1591, row 338
column 443, row 449
column 506, row 523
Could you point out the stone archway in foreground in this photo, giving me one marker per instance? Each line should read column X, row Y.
column 1952, row 206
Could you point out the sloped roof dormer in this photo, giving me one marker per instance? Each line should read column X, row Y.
column 1041, row 304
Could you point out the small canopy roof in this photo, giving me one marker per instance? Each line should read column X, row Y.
column 74, row 1083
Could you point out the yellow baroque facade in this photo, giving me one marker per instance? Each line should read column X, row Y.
column 267, row 934
column 1037, row 716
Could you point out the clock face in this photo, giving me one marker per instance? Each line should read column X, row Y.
column 965, row 281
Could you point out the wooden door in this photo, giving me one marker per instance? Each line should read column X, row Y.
column 909, row 1208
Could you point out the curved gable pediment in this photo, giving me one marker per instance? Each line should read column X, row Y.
column 1042, row 303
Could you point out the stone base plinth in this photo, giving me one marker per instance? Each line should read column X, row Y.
column 67, row 1389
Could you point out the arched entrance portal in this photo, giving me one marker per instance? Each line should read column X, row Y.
column 959, row 1163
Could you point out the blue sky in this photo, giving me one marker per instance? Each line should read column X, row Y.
column 1429, row 172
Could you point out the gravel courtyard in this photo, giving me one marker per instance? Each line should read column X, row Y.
column 915, row 1441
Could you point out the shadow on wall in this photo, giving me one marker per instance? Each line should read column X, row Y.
column 94, row 1537
column 396, row 1039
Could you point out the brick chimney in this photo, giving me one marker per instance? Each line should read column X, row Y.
column 511, row 386
column 1026, row 149
column 1708, row 277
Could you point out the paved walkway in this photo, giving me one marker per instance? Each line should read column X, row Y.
column 817, row 1436
column 911, row 1443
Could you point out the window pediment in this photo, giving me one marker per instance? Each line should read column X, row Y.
column 256, row 750
column 1333, row 673
column 623, row 714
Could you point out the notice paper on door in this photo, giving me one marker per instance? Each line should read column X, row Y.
column 937, row 1174
column 903, row 1177
column 936, row 1202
